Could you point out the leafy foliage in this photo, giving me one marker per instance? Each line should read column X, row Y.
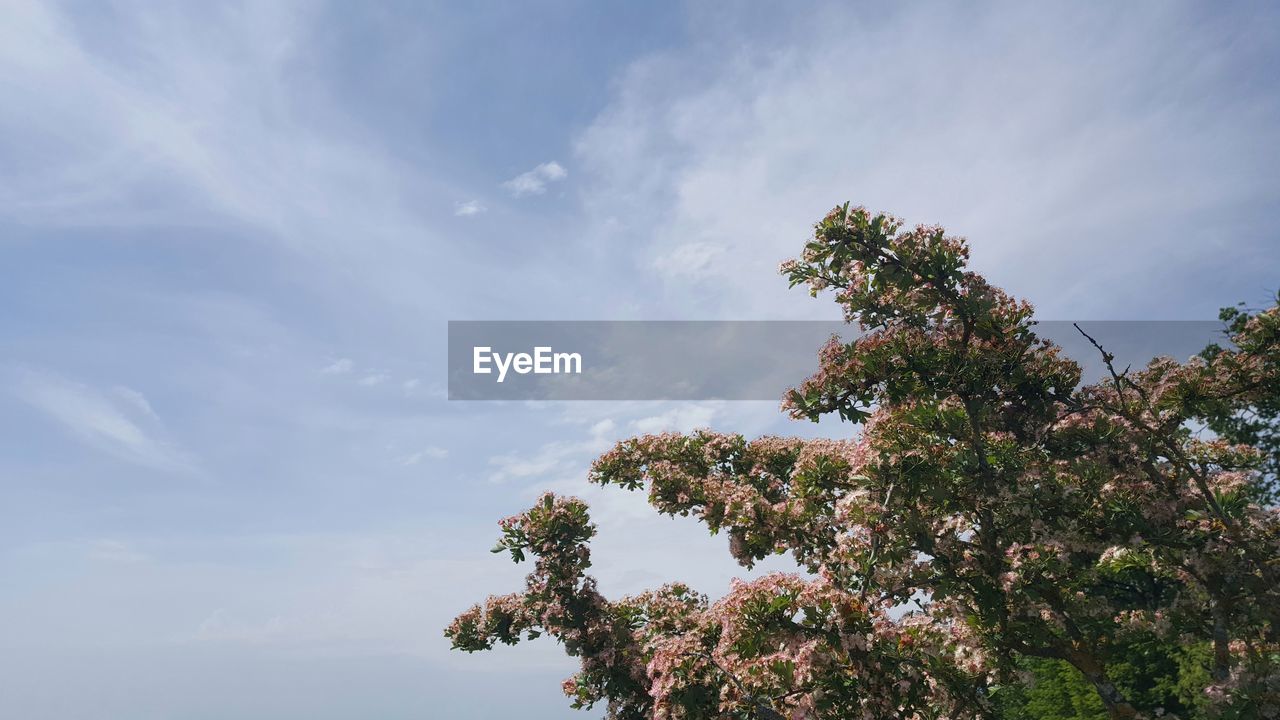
column 1257, row 425
column 997, row 541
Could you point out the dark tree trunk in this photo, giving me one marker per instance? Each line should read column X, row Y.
column 1221, row 644
column 1095, row 672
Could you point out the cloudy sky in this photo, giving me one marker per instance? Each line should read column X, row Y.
column 231, row 237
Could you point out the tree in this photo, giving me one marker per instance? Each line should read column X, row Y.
column 1257, row 425
column 992, row 514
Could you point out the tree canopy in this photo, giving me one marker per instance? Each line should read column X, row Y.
column 999, row 539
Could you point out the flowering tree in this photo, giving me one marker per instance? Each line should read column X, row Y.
column 991, row 510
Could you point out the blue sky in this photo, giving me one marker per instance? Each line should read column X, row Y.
column 233, row 234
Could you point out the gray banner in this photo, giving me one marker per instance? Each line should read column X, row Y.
column 721, row 360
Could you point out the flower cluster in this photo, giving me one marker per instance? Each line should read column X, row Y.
column 991, row 509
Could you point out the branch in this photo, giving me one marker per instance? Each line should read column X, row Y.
column 761, row 708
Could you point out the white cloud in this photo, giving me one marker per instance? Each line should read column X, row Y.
column 375, row 378
column 549, row 458
column 681, row 418
column 428, row 453
column 162, row 136
column 468, row 208
column 557, row 458
column 692, row 260
column 115, row 551
column 602, row 428
column 109, row 422
column 341, row 366
column 136, row 399
column 535, row 181
column 414, row 387
column 1051, row 150
column 351, row 595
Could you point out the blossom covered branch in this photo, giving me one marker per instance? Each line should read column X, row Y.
column 990, row 509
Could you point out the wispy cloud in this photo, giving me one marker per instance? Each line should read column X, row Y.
column 161, row 136
column 685, row 418
column 113, row 422
column 557, row 457
column 535, row 181
column 430, row 452
column 341, row 366
column 115, row 551
column 560, row 458
column 1046, row 161
column 692, row 259
column 136, row 399
column 468, row 208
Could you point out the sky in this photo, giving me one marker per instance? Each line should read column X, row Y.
column 231, row 237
